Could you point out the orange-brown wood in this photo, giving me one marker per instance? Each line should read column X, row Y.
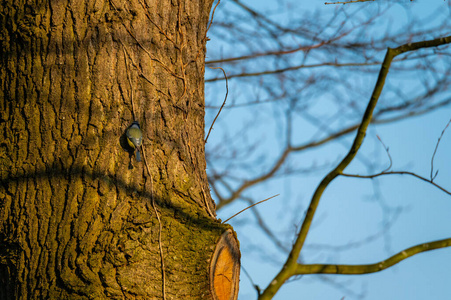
column 225, row 268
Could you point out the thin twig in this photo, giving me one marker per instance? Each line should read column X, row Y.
column 272, row 53
column 257, row 288
column 294, row 68
column 210, row 213
column 346, row 2
column 146, row 11
column 284, row 155
column 129, row 81
column 212, row 15
column 388, row 153
column 266, row 229
column 435, row 151
column 182, row 65
column 145, row 50
column 398, row 173
column 163, row 273
column 250, row 207
column 297, row 67
column 223, row 103
column 151, row 187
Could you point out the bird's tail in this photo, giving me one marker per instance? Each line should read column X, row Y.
column 138, row 155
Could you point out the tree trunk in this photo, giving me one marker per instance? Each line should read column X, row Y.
column 79, row 217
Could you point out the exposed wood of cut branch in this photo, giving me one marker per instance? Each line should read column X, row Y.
column 225, row 268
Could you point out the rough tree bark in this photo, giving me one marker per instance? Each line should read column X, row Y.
column 75, row 221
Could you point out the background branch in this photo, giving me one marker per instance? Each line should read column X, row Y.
column 371, row 268
column 290, row 266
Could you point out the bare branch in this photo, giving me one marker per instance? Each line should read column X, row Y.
column 290, row 266
column 222, row 201
column 346, row 2
column 302, row 269
column 294, row 68
column 398, row 173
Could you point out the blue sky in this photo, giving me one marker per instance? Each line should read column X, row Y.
column 351, row 210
